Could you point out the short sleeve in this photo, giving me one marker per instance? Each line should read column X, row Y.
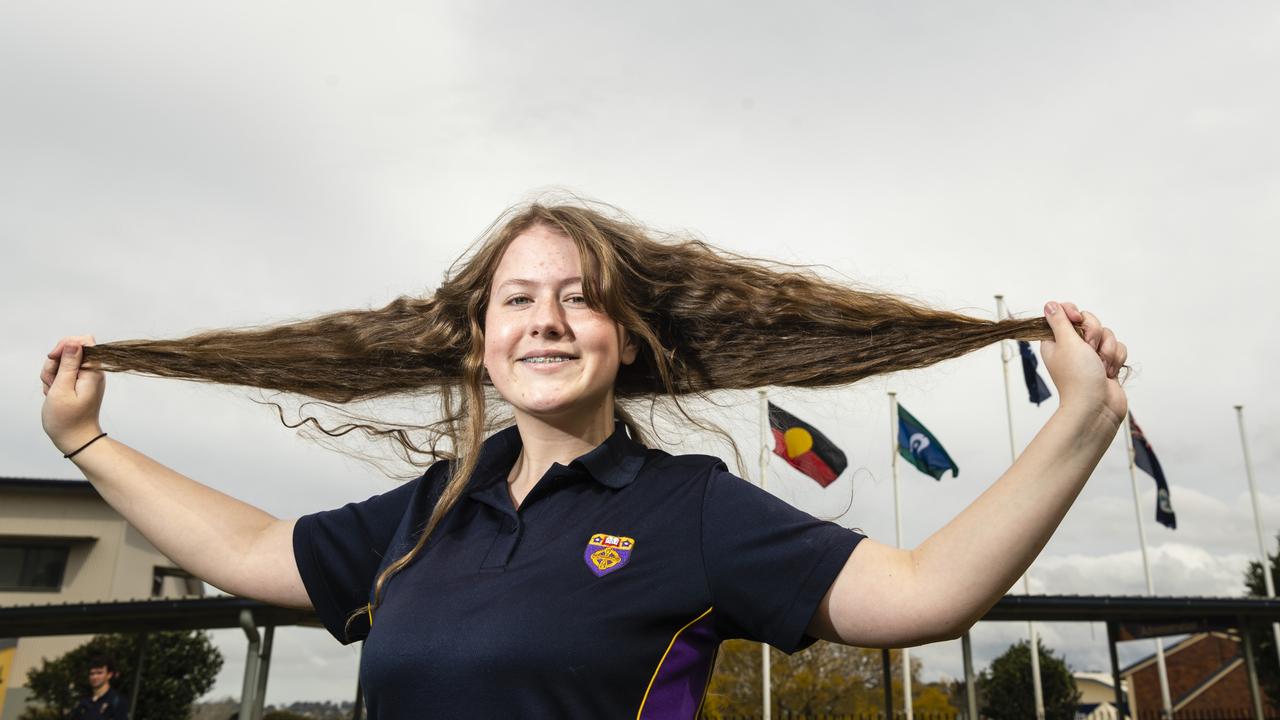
column 768, row 564
column 339, row 551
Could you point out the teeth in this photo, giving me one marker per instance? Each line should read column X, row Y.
column 549, row 359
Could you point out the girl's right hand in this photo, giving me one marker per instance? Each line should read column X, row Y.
column 1085, row 370
column 72, row 395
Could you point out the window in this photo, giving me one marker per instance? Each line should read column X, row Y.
column 31, row 566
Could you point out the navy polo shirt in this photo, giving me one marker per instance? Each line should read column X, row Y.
column 605, row 595
column 111, row 706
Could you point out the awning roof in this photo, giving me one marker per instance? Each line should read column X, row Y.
column 224, row 612
column 1103, row 608
column 130, row 616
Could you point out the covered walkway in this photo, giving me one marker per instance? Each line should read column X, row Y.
column 258, row 620
column 1126, row 618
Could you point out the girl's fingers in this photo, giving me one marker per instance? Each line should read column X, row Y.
column 62, row 368
column 1107, row 350
column 1092, row 330
column 1073, row 314
column 47, row 372
column 56, row 352
column 68, row 367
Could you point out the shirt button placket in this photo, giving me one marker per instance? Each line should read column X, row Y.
column 514, row 533
column 503, row 546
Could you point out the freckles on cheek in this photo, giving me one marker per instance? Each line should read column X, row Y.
column 493, row 360
column 497, row 351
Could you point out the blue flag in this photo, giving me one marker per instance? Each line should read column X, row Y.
column 1035, row 384
column 921, row 448
column 1145, row 458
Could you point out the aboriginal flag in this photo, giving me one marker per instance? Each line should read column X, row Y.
column 1036, row 388
column 808, row 450
column 1145, row 458
column 921, row 448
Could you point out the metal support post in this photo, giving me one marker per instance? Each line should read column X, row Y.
column 357, row 713
column 886, row 668
column 137, row 675
column 264, row 664
column 1246, row 639
column 970, row 696
column 1121, row 706
column 248, row 703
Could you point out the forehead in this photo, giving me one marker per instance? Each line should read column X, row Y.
column 538, row 254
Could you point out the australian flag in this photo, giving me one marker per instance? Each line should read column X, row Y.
column 1035, row 384
column 1145, row 458
column 921, row 448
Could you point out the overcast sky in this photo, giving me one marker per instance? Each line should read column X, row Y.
column 169, row 169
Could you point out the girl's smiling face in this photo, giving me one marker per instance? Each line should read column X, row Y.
column 546, row 351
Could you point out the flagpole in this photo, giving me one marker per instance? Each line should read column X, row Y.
column 766, row 697
column 897, row 530
column 1257, row 522
column 1005, row 356
column 1165, row 699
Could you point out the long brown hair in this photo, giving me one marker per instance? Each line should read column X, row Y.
column 704, row 320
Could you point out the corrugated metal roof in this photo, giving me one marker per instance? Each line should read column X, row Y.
column 1131, row 608
column 148, row 615
column 45, row 484
column 224, row 612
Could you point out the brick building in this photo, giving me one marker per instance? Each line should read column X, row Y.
column 1206, row 674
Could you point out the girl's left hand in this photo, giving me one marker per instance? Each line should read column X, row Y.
column 1084, row 370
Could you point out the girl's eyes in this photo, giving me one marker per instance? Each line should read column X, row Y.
column 575, row 299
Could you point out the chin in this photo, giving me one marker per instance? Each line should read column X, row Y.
column 558, row 407
column 548, row 409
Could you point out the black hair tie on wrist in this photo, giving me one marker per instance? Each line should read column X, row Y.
column 69, row 455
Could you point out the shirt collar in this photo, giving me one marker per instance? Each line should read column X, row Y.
column 614, row 463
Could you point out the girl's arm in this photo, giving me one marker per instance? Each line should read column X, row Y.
column 228, row 543
column 887, row 597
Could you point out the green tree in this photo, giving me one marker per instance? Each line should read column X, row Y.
column 957, row 695
column 1264, row 647
column 1006, row 690
column 177, row 668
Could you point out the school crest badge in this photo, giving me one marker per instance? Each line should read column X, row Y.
column 606, row 553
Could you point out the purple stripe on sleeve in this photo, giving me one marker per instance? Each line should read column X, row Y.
column 682, row 677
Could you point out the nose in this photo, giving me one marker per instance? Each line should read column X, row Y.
column 549, row 320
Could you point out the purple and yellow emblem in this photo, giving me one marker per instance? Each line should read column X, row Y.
column 606, row 553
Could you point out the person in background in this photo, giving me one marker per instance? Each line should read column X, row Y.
column 103, row 701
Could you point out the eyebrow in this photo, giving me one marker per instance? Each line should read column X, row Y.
column 533, row 283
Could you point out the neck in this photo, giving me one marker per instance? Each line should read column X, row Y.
column 555, row 440
column 106, row 686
